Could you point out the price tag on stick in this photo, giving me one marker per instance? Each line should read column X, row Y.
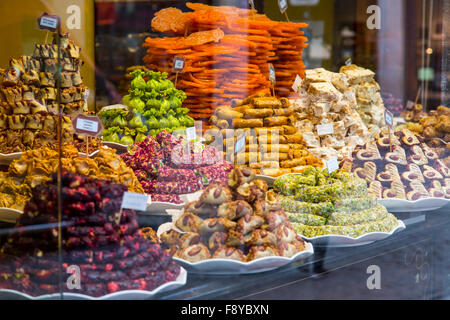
column 49, row 22
column 389, row 118
column 283, row 5
column 178, row 66
column 332, row 165
column 348, row 62
column 89, row 125
column 135, row 201
column 252, row 4
column 272, row 77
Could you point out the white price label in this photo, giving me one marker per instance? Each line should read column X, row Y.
column 283, row 5
column 297, row 83
column 49, row 22
column 348, row 62
column 135, row 201
column 332, row 165
column 178, row 64
column 389, row 117
column 324, row 129
column 240, row 144
column 252, row 4
column 272, row 75
column 87, row 125
column 190, row 134
column 410, row 105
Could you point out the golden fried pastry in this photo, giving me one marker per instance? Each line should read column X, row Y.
column 149, row 234
column 188, row 222
column 248, row 223
column 239, row 176
column 194, row 253
column 170, row 237
column 289, row 249
column 216, row 194
column 234, row 210
column 229, row 253
column 217, row 240
column 285, row 233
column 260, row 237
column 216, row 225
column 188, row 239
column 258, row 252
column 275, row 219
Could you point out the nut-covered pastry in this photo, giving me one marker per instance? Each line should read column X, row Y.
column 258, row 252
column 216, row 225
column 216, row 194
column 248, row 223
column 234, row 210
column 189, row 222
column 188, row 239
column 239, row 176
column 275, row 219
column 217, row 240
column 194, row 253
column 260, row 237
column 229, row 253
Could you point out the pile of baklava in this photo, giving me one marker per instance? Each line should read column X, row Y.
column 28, row 96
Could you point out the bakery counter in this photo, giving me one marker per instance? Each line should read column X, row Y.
column 412, row 264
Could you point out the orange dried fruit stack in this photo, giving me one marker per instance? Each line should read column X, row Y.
column 227, row 51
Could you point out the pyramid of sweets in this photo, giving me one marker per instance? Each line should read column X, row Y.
column 410, row 170
column 273, row 146
column 368, row 97
column 28, row 96
column 318, row 203
column 238, row 220
column 326, row 100
column 97, row 236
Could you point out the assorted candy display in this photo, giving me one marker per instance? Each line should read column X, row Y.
column 318, row 203
column 411, row 170
column 251, row 127
column 98, row 237
column 168, row 167
column 240, row 220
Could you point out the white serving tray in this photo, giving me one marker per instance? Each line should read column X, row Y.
column 427, row 204
column 9, row 215
column 333, row 240
column 120, row 295
column 227, row 266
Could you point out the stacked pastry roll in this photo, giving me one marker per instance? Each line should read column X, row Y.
column 318, row 203
column 272, row 145
column 240, row 220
